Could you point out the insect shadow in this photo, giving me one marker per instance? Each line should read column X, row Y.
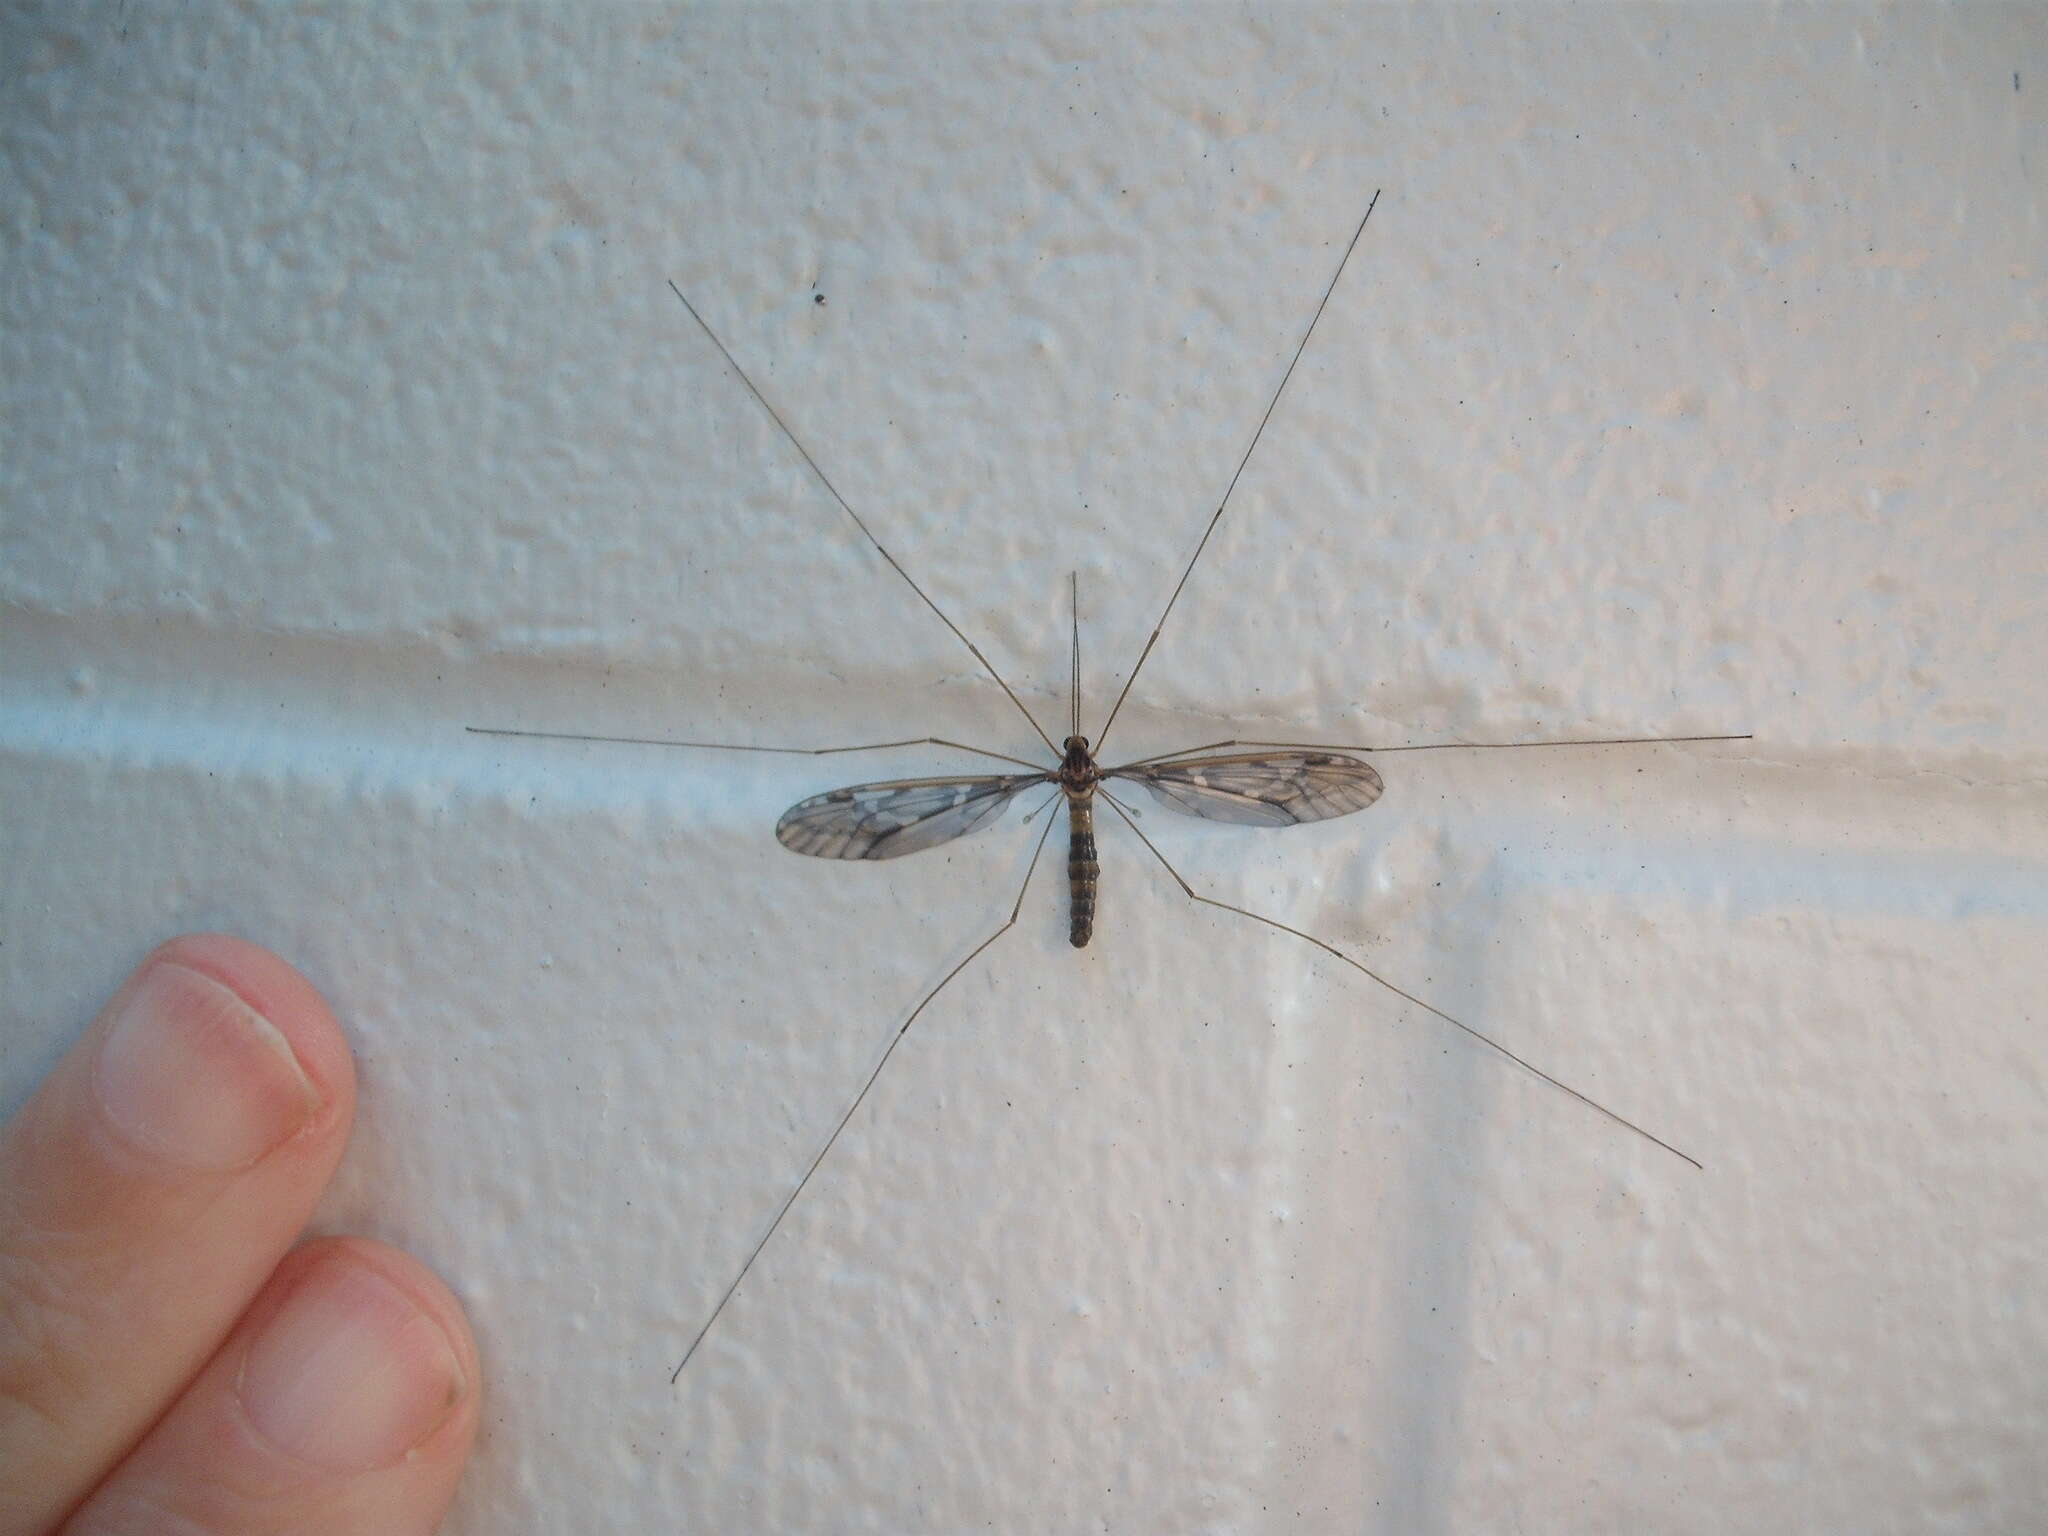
column 1250, row 783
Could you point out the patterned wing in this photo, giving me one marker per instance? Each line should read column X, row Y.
column 886, row 821
column 1260, row 789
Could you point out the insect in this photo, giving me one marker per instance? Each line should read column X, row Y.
column 1251, row 783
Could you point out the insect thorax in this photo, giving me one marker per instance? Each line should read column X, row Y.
column 1078, row 772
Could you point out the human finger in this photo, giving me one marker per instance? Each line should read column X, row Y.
column 342, row 1405
column 147, row 1191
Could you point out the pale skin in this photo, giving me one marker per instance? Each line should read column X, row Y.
column 172, row 1356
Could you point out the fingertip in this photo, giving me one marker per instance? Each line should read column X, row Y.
column 436, row 1303
column 346, row 1400
column 359, row 1357
column 282, row 996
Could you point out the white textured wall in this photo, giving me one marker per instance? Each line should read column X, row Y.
column 1689, row 377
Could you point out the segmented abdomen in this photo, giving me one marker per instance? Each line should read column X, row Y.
column 1081, row 870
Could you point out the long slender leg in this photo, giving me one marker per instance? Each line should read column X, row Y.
column 1259, row 431
column 1495, row 746
column 832, row 1140
column 775, row 416
column 1330, row 949
column 1160, row 757
column 1426, row 746
column 726, row 746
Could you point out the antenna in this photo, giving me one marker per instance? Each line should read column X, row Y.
column 1074, row 581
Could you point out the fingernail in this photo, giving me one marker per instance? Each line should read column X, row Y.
column 192, row 1074
column 350, row 1374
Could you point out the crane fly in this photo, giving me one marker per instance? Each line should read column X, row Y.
column 1250, row 783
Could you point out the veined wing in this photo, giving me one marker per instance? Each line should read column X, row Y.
column 1260, row 789
column 886, row 821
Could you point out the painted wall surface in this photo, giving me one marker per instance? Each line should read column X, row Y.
column 1689, row 377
